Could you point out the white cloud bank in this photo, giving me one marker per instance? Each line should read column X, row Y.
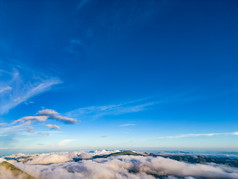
column 60, row 157
column 121, row 167
column 60, row 165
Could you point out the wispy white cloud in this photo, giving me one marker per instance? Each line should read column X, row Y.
column 20, row 95
column 55, row 115
column 29, row 119
column 21, row 130
column 20, row 83
column 10, row 128
column 198, row 135
column 95, row 112
column 52, row 126
column 65, row 142
column 10, row 134
column 8, row 88
column 43, row 116
column 24, row 125
column 127, row 125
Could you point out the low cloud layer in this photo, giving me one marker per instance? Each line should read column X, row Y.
column 60, row 157
column 61, row 166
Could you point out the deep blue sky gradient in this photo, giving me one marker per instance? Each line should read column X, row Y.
column 178, row 56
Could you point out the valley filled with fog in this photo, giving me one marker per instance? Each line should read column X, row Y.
column 106, row 164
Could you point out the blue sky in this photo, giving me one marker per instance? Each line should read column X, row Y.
column 90, row 74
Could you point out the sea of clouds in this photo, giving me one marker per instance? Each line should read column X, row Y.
column 61, row 166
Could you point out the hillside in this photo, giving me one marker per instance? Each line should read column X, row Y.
column 14, row 171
